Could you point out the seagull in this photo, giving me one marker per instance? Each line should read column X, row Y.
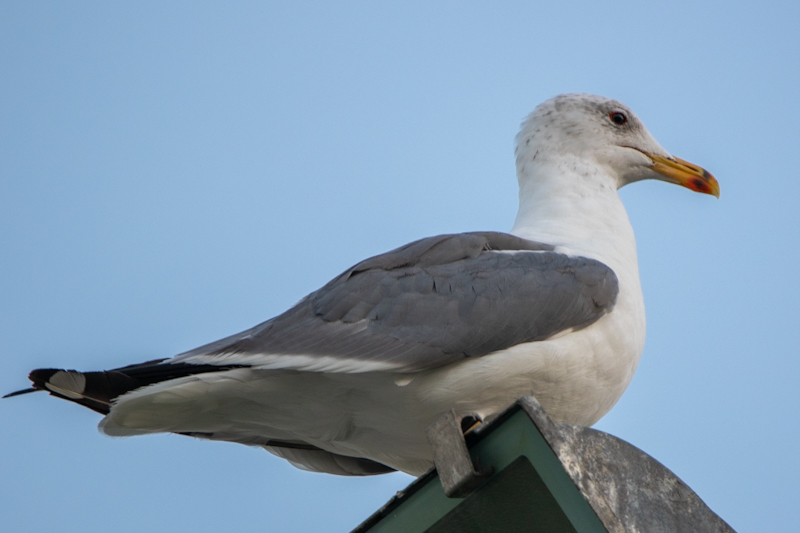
column 347, row 381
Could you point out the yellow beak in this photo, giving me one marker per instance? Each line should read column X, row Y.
column 686, row 174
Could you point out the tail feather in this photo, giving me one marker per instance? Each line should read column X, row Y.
column 98, row 390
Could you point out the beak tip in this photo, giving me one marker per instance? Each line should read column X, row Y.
column 714, row 186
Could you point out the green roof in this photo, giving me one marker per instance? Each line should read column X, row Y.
column 550, row 478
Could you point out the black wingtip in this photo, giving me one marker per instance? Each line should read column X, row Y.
column 20, row 392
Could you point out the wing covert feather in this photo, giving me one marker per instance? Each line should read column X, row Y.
column 428, row 304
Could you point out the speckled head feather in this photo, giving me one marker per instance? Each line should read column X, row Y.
column 582, row 126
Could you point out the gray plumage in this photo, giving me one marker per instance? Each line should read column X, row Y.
column 430, row 303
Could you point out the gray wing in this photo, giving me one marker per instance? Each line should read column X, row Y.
column 427, row 304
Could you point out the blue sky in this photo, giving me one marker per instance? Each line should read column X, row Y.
column 170, row 174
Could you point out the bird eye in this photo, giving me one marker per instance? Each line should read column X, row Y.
column 618, row 118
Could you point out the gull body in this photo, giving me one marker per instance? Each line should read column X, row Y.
column 362, row 407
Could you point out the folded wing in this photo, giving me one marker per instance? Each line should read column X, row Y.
column 425, row 305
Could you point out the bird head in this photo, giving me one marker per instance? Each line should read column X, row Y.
column 575, row 127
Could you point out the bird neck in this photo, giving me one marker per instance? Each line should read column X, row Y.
column 573, row 205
